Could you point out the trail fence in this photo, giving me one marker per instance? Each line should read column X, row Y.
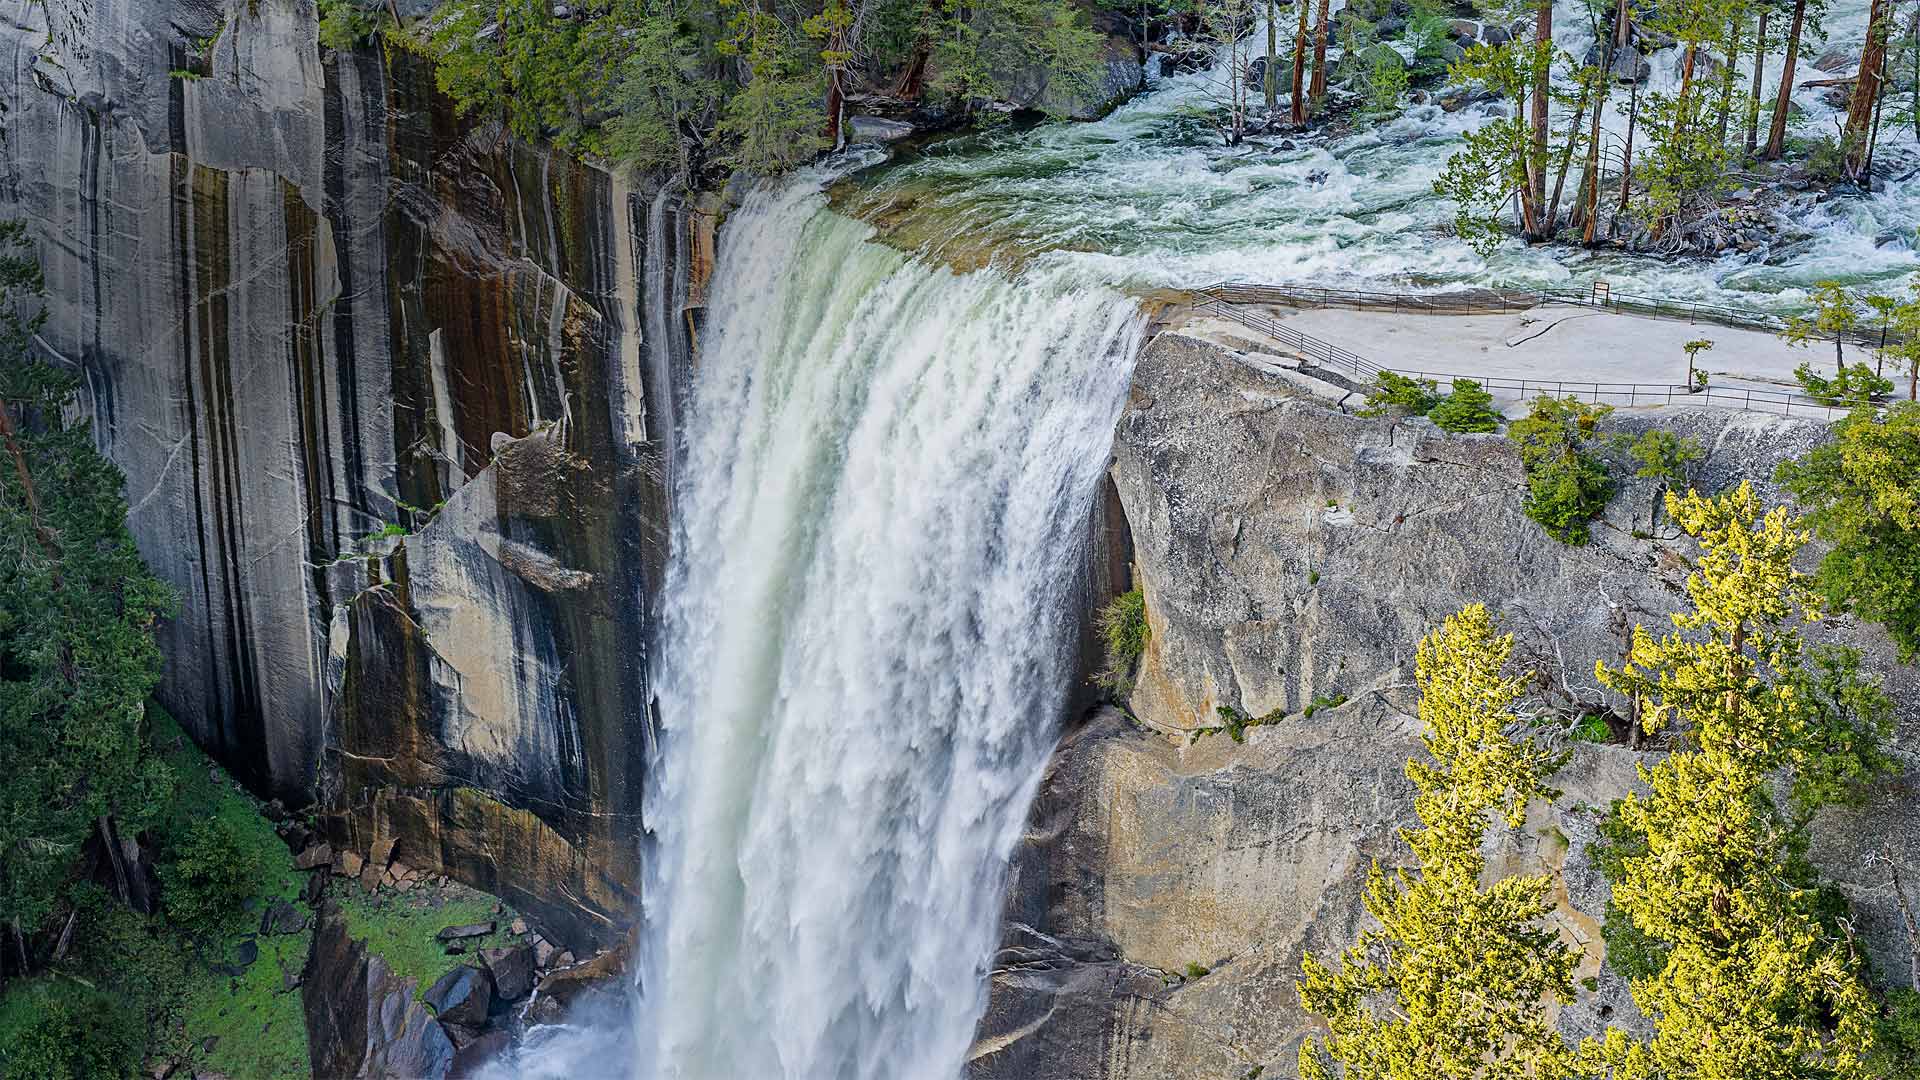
column 1230, row 302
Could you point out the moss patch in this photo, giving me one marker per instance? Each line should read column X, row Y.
column 182, row 993
column 399, row 927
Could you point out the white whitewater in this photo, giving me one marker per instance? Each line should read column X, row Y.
column 867, row 643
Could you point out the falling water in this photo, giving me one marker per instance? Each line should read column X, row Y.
column 866, row 642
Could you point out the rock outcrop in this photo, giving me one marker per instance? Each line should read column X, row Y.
column 362, row 1021
column 1291, row 556
column 394, row 398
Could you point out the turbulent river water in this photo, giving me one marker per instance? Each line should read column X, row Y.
column 1151, row 197
column 879, row 503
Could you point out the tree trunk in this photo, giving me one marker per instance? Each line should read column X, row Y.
column 1270, row 78
column 1866, row 93
column 1566, row 160
column 1726, row 77
column 1777, row 131
column 1298, row 116
column 1626, row 155
column 1537, row 166
column 1759, row 65
column 1320, row 31
column 1879, row 103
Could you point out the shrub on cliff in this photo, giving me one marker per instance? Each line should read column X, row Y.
column 1861, row 493
column 1124, row 630
column 77, row 609
column 207, row 875
column 1469, row 408
column 1393, row 392
column 1567, row 486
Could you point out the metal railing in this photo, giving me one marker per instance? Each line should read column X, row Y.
column 1491, row 301
column 1332, row 357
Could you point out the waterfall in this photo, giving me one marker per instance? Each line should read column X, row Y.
column 867, row 643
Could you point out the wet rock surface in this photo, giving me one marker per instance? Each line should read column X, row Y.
column 313, row 309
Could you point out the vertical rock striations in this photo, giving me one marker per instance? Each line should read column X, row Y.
column 393, row 394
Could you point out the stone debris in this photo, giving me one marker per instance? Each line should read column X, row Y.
column 465, row 930
column 314, row 857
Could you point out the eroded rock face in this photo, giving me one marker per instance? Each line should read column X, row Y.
column 310, row 307
column 361, row 1020
column 1291, row 557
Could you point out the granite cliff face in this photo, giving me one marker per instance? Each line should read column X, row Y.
column 393, row 394
column 1291, row 556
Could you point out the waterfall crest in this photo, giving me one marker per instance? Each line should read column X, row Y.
column 866, row 645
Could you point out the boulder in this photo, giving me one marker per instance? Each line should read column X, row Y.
column 512, row 970
column 314, row 857
column 1121, row 73
column 1463, row 30
column 282, row 918
column 462, row 996
column 1837, row 59
column 349, row 864
column 362, row 1020
column 1629, row 66
column 465, row 930
column 876, row 129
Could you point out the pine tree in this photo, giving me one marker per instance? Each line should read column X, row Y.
column 77, row 609
column 1862, row 495
column 1758, row 978
column 1453, row 982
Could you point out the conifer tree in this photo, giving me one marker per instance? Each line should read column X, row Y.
column 1862, row 495
column 1758, row 978
column 77, row 608
column 1453, row 983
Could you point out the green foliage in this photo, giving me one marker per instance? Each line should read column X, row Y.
column 1630, row 952
column 1664, row 457
column 984, row 46
column 1386, row 83
column 1453, row 980
column 159, row 974
column 345, row 24
column 207, row 874
column 77, row 610
column 1759, row 978
column 663, row 93
column 1393, row 392
column 1836, row 313
column 1469, row 408
column 515, row 59
column 62, row 1029
column 400, row 927
column 1896, row 1041
column 1196, row 971
column 1567, row 487
column 1124, row 630
column 1861, row 493
column 777, row 119
column 1592, row 728
column 1323, row 701
column 1684, row 166
column 1856, row 384
column 1491, row 168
